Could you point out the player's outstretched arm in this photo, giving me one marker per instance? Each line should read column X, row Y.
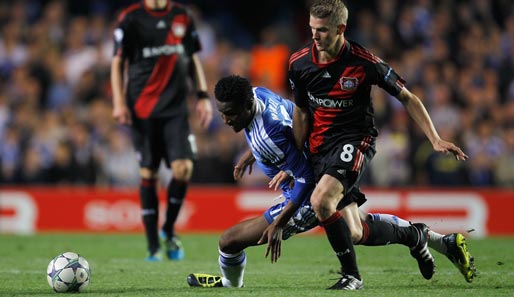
column 246, row 161
column 273, row 233
column 418, row 112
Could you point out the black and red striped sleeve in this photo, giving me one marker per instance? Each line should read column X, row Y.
column 121, row 32
column 379, row 72
column 297, row 85
column 388, row 79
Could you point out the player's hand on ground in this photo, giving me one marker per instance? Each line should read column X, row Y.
column 273, row 236
column 246, row 161
column 277, row 180
column 122, row 115
column 448, row 147
column 204, row 112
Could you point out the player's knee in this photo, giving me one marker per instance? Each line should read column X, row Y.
column 316, row 204
column 322, row 206
column 182, row 169
column 227, row 243
column 147, row 173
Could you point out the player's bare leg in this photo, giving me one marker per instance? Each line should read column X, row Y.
column 232, row 256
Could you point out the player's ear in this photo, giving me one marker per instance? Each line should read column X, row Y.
column 341, row 28
column 249, row 104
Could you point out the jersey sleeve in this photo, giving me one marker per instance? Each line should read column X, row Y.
column 387, row 78
column 121, row 36
column 192, row 39
column 298, row 88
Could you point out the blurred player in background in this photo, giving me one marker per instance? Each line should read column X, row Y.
column 331, row 79
column 156, row 47
column 266, row 119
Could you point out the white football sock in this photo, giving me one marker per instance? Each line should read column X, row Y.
column 436, row 242
column 389, row 218
column 232, row 268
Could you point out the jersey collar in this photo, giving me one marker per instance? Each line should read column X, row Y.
column 259, row 109
column 344, row 49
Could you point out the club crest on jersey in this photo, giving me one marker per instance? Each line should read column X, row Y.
column 179, row 29
column 348, row 83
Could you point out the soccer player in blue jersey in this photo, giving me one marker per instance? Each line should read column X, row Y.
column 266, row 119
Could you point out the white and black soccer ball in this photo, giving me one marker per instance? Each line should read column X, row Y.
column 68, row 272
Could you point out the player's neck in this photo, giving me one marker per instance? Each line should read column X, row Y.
column 156, row 4
column 251, row 117
column 331, row 53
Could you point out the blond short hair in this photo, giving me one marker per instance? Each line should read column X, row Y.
column 334, row 10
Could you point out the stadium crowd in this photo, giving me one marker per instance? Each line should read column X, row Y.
column 56, row 125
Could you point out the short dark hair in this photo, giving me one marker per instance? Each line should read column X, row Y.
column 233, row 88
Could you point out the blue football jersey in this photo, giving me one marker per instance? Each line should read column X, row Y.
column 270, row 138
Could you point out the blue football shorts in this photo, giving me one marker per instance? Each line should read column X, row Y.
column 303, row 220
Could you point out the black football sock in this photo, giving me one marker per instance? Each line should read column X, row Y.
column 381, row 233
column 340, row 239
column 150, row 212
column 175, row 197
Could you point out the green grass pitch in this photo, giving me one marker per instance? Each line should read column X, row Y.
column 306, row 268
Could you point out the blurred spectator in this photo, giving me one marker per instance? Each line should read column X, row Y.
column 484, row 147
column 443, row 112
column 13, row 52
column 31, row 170
column 60, row 92
column 10, row 155
column 119, row 163
column 4, row 112
column 79, row 57
column 216, row 162
column 268, row 61
column 207, row 34
column 504, row 172
column 436, row 169
column 54, row 18
column 55, row 89
column 62, row 170
column 84, row 154
column 394, row 151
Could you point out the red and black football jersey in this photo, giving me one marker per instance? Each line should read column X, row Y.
column 158, row 44
column 338, row 93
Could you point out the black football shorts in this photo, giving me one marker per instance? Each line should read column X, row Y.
column 165, row 139
column 345, row 161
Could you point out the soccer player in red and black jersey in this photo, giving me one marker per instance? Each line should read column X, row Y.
column 158, row 43
column 331, row 79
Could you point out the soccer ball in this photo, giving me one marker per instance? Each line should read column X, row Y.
column 68, row 272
